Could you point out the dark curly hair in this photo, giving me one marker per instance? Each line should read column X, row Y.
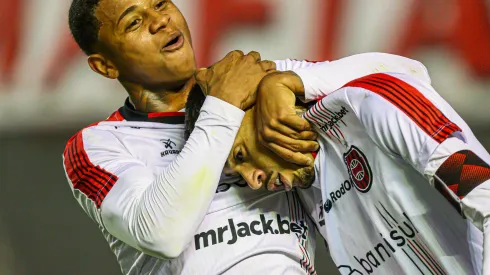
column 84, row 26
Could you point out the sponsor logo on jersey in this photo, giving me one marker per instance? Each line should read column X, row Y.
column 328, row 120
column 169, row 152
column 232, row 232
column 345, row 187
column 169, row 144
column 360, row 176
column 401, row 241
column 359, row 170
column 334, row 119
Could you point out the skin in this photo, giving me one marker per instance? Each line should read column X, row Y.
column 259, row 166
column 132, row 47
column 130, row 50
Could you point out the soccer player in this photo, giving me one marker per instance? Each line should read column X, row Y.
column 159, row 203
column 388, row 144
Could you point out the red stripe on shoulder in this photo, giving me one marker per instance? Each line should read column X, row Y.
column 116, row 116
column 411, row 102
column 92, row 180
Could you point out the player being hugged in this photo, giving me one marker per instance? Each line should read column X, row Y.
column 389, row 146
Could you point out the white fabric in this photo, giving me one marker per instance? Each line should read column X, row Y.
column 321, row 80
column 171, row 203
column 399, row 224
column 167, row 202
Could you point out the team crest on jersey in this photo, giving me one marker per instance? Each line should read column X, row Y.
column 359, row 170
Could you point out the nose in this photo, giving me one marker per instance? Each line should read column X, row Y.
column 160, row 21
column 255, row 178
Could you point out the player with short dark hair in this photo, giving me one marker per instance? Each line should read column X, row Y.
column 388, row 145
column 159, row 200
column 84, row 25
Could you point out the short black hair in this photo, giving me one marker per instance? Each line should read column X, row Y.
column 195, row 100
column 84, row 26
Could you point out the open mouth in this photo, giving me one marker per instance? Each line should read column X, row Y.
column 175, row 42
column 282, row 181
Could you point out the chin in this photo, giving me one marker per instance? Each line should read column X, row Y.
column 184, row 74
column 306, row 176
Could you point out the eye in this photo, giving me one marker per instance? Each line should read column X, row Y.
column 160, row 4
column 239, row 156
column 133, row 23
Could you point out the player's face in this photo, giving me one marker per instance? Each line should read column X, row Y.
column 258, row 165
column 148, row 41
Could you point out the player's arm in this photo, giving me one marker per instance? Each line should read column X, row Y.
column 320, row 79
column 402, row 120
column 281, row 130
column 159, row 213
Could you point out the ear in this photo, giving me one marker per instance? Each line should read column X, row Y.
column 99, row 64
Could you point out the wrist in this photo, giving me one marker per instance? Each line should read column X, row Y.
column 226, row 97
column 288, row 79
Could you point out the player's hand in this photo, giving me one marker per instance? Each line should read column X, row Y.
column 279, row 127
column 235, row 78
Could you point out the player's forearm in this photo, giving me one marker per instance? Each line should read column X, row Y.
column 162, row 217
column 322, row 79
column 463, row 179
column 467, row 177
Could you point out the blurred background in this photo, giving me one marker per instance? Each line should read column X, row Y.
column 47, row 93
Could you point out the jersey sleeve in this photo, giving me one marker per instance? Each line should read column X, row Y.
column 293, row 64
column 155, row 213
column 323, row 78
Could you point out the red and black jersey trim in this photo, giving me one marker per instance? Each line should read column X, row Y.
column 462, row 172
column 93, row 181
column 410, row 101
column 131, row 114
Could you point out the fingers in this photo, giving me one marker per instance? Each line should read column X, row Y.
column 287, row 131
column 255, row 56
column 268, row 65
column 234, row 55
column 306, row 135
column 296, row 122
column 290, row 156
column 202, row 77
column 201, row 74
column 291, row 143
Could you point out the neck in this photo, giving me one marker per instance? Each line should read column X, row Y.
column 164, row 100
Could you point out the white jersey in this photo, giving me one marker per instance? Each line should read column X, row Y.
column 159, row 204
column 382, row 139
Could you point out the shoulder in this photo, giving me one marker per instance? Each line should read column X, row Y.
column 377, row 81
column 91, row 163
column 93, row 131
column 92, row 146
column 397, row 88
column 293, row 64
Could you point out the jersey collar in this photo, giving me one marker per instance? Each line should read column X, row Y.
column 131, row 114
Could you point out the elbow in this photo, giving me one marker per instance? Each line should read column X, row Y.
column 167, row 251
column 161, row 245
